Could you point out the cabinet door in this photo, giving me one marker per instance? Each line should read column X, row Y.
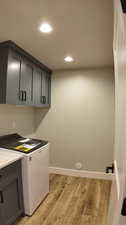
column 13, row 74
column 11, row 206
column 37, row 87
column 46, row 88
column 26, row 83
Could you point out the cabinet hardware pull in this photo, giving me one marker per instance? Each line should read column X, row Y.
column 43, row 99
column 21, row 95
column 24, row 96
column 1, row 197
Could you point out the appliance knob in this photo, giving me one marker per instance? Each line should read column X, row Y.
column 30, row 158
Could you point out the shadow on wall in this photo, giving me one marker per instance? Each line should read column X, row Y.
column 16, row 119
column 41, row 113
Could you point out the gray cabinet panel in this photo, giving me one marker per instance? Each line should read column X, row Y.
column 11, row 200
column 46, row 79
column 26, row 83
column 13, row 74
column 9, row 197
column 41, row 88
column 3, row 73
column 37, row 87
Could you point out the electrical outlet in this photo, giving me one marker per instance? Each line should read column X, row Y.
column 78, row 165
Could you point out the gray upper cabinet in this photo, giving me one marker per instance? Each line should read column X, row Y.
column 23, row 79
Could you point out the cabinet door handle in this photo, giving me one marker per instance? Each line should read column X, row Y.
column 24, row 96
column 21, row 95
column 1, row 197
column 43, row 99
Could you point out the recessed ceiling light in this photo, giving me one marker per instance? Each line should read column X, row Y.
column 45, row 28
column 69, row 59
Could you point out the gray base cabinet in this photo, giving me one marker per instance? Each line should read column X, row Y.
column 11, row 197
column 23, row 79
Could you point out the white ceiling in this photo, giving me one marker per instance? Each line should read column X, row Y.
column 82, row 28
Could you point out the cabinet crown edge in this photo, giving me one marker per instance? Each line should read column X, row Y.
column 11, row 44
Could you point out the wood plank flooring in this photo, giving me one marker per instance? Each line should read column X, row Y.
column 72, row 201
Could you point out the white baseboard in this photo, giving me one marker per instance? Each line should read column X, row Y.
column 80, row 173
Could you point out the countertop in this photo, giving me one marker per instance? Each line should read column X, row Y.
column 7, row 157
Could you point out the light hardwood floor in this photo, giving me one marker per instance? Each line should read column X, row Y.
column 72, row 201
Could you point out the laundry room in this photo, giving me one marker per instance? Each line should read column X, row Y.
column 62, row 112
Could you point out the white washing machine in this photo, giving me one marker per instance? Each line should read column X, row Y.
column 35, row 177
column 35, row 174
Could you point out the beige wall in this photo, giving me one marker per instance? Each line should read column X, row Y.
column 16, row 119
column 80, row 123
